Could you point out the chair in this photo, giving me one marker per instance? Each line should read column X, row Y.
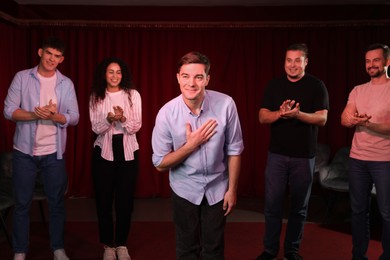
column 373, row 191
column 335, row 175
column 322, row 158
column 6, row 193
column 6, row 203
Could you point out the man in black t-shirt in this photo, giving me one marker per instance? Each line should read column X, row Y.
column 295, row 105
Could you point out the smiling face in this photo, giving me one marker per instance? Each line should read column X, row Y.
column 113, row 77
column 50, row 58
column 193, row 80
column 376, row 63
column 295, row 64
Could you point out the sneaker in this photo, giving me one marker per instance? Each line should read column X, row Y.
column 60, row 254
column 109, row 253
column 292, row 256
column 266, row 256
column 122, row 253
column 19, row 256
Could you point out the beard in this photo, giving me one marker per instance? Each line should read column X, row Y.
column 376, row 73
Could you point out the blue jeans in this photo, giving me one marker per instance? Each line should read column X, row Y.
column 297, row 173
column 362, row 176
column 54, row 178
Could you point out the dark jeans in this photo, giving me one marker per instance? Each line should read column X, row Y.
column 199, row 229
column 55, row 180
column 362, row 176
column 283, row 171
column 114, row 181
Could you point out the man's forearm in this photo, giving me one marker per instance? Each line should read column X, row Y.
column 174, row 158
column 23, row 115
column 234, row 167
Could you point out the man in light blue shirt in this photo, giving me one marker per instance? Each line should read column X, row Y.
column 42, row 102
column 197, row 136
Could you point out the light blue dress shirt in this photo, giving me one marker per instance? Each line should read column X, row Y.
column 24, row 93
column 205, row 171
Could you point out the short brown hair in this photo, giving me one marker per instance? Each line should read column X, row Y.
column 194, row 57
column 383, row 47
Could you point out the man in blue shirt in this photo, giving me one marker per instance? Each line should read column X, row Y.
column 43, row 103
column 197, row 136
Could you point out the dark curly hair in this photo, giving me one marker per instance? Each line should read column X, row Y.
column 99, row 83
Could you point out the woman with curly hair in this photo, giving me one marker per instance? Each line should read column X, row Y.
column 115, row 113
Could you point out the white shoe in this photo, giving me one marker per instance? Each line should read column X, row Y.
column 60, row 254
column 19, row 256
column 122, row 253
column 109, row 253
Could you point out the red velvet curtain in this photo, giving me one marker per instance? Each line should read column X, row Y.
column 244, row 59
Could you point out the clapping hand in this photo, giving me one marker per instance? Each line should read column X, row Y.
column 47, row 111
column 117, row 115
column 289, row 109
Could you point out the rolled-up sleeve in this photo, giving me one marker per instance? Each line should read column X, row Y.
column 162, row 142
column 14, row 97
column 234, row 142
column 70, row 109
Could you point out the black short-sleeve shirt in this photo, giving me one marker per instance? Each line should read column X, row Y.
column 292, row 137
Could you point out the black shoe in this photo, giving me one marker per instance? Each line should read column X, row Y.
column 266, row 256
column 292, row 256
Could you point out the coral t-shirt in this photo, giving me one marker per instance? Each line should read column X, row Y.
column 373, row 100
